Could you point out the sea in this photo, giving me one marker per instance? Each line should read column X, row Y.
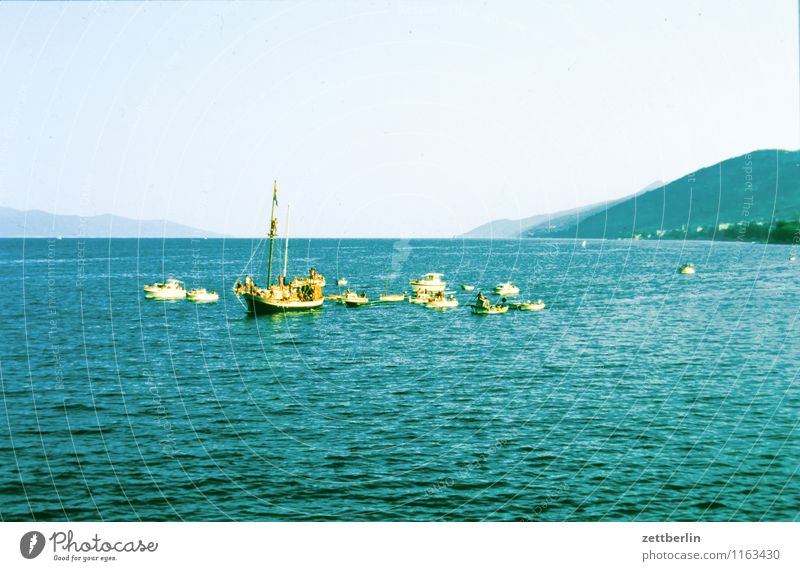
column 638, row 394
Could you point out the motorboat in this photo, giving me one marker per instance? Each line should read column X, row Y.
column 466, row 287
column 430, row 282
column 353, row 299
column 687, row 269
column 506, row 288
column 202, row 295
column 392, row 297
column 171, row 289
column 341, row 282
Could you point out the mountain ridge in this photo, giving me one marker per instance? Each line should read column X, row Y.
column 40, row 224
column 760, row 188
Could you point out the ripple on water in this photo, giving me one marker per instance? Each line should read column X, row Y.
column 636, row 394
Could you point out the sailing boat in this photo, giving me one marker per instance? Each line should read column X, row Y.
column 302, row 293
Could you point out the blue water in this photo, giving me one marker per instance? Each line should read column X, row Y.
column 638, row 394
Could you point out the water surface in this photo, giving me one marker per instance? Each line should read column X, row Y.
column 638, row 394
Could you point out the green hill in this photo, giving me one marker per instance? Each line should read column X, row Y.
column 754, row 196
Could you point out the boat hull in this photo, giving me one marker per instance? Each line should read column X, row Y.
column 442, row 304
column 427, row 286
column 260, row 306
column 398, row 297
column 165, row 294
column 207, row 298
column 506, row 290
column 493, row 310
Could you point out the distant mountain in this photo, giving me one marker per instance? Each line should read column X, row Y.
column 501, row 229
column 39, row 224
column 759, row 188
column 755, row 196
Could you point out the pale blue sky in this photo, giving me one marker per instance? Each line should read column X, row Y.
column 380, row 118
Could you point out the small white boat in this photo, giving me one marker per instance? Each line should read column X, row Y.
column 421, row 297
column 202, row 295
column 529, row 305
column 466, row 287
column 491, row 310
column 687, row 269
column 353, row 299
column 442, row 302
column 506, row 288
column 393, row 297
column 430, row 282
column 341, row 282
column 172, row 289
column 583, row 244
column 792, row 257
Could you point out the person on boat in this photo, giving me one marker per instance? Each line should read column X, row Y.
column 483, row 301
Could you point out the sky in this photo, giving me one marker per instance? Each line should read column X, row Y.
column 381, row 119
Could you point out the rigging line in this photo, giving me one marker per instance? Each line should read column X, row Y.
column 252, row 255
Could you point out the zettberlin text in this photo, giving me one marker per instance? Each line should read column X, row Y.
column 668, row 538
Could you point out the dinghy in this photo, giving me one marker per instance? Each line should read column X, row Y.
column 390, row 297
column 421, row 297
column 353, row 299
column 439, row 301
column 491, row 310
column 201, row 295
column 529, row 305
column 482, row 306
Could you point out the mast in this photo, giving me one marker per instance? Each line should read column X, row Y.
column 286, row 244
column 273, row 230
